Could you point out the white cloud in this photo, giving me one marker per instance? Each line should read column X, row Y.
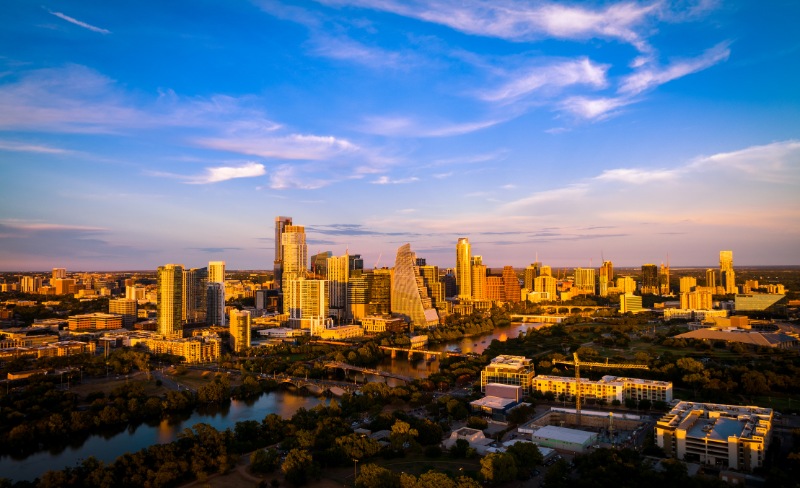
column 79, row 23
column 593, row 108
column 35, row 148
column 409, row 127
column 566, row 194
column 637, row 175
column 647, row 78
column 581, row 71
column 350, row 50
column 517, row 21
column 385, row 180
column 224, row 173
column 293, row 146
column 778, row 162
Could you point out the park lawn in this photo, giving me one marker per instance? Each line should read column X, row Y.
column 194, row 379
column 111, row 383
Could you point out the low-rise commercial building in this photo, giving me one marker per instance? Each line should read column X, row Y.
column 564, row 439
column 94, row 321
column 193, row 349
column 376, row 324
column 726, row 436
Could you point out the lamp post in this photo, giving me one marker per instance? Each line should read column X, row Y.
column 355, row 470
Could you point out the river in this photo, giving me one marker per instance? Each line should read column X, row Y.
column 107, row 449
column 282, row 403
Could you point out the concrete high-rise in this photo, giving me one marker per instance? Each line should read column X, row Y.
column 711, row 278
column 584, row 281
column 338, row 273
column 195, row 295
column 606, row 279
column 170, row 300
column 240, row 330
column 545, row 284
column 726, row 273
column 409, row 294
column 511, row 289
column 216, row 272
column 663, row 280
column 308, row 304
column 59, row 273
column 649, row 279
column 464, row 269
column 380, row 292
column 531, row 273
column 478, row 279
column 280, row 224
column 430, row 276
column 215, row 304
column 295, row 257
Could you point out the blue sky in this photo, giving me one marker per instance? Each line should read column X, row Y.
column 134, row 134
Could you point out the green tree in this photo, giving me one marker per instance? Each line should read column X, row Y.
column 498, row 468
column 526, row 456
column 356, row 446
column 402, row 436
column 374, row 476
column 298, row 467
column 264, row 460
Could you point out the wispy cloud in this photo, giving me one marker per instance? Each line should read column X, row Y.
column 385, row 180
column 410, row 127
column 650, row 77
column 594, row 108
column 224, row 173
column 559, row 74
column 292, row 146
column 637, row 175
column 346, row 49
column 35, row 148
column 778, row 162
column 77, row 22
column 523, row 21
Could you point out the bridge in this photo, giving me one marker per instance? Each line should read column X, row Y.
column 316, row 386
column 386, row 374
column 428, row 354
column 546, row 319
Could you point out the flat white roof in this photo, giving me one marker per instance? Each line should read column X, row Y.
column 493, row 402
column 563, row 434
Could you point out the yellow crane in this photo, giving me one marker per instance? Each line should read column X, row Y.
column 578, row 363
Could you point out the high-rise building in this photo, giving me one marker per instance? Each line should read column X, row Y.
column 449, row 282
column 30, row 284
column 546, row 271
column 240, row 330
column 711, row 278
column 338, row 273
column 687, row 283
column 606, row 277
column 464, row 269
column 308, row 305
column 511, row 289
column 478, row 278
column 430, row 276
column 59, row 273
column 380, row 292
column 216, row 272
column 663, row 280
column 358, row 293
column 280, row 224
column 215, row 302
column 409, row 294
column 626, row 284
column 319, row 265
column 545, row 284
column 195, row 295
column 170, row 300
column 509, row 370
column 356, row 264
column 726, row 273
column 531, row 273
column 494, row 288
column 584, row 281
column 295, row 257
column 649, row 279
column 696, row 300
column 126, row 308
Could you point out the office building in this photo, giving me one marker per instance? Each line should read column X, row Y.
column 410, row 298
column 215, row 302
column 697, row 300
column 430, row 277
column 606, row 278
column 380, row 292
column 494, row 288
column 687, row 283
column 94, row 321
column 449, row 282
column 726, row 273
column 65, row 286
column 629, row 302
column 649, row 279
column 545, row 285
column 464, row 269
column 308, row 305
column 358, row 292
column 509, row 370
column 59, row 273
column 531, row 273
column 170, row 300
column 626, row 284
column 216, row 272
column 711, row 278
column 280, row 224
column 374, row 324
column 584, row 281
column 195, row 295
column 759, row 302
column 30, row 284
column 240, row 330
column 338, row 273
column 356, row 264
column 663, row 280
column 125, row 308
column 193, row 349
column 295, row 257
column 721, row 436
column 511, row 288
column 319, row 265
column 478, row 279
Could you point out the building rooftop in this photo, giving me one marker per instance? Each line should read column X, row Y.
column 510, row 362
column 493, row 402
column 716, row 421
column 564, row 434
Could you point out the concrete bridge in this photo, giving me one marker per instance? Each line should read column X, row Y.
column 545, row 319
column 315, row 386
column 386, row 374
column 429, row 355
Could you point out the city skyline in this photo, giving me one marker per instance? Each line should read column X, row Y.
column 137, row 135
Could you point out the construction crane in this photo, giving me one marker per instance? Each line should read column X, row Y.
column 578, row 363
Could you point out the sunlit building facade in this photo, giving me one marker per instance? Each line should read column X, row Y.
column 409, row 294
column 509, row 370
column 464, row 269
column 240, row 330
column 170, row 300
column 726, row 273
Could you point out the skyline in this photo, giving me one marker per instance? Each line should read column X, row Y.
column 142, row 134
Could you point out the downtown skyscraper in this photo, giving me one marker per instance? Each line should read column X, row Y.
column 280, row 225
column 464, row 269
column 726, row 273
column 170, row 300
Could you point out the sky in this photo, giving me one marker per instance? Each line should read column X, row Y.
column 135, row 134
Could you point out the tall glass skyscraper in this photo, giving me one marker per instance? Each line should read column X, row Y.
column 409, row 294
column 170, row 300
column 464, row 269
column 280, row 224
